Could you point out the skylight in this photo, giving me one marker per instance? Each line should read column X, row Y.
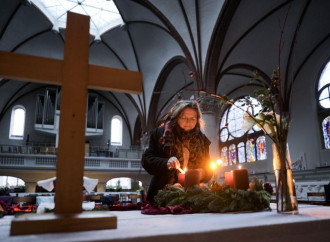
column 104, row 13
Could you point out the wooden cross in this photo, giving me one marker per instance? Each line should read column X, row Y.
column 75, row 76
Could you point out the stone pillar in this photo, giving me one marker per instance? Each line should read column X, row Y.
column 210, row 108
column 101, row 187
column 30, row 187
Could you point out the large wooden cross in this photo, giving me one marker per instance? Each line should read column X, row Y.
column 75, row 75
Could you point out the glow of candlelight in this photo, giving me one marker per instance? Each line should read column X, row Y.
column 219, row 162
column 239, row 167
column 213, row 165
column 182, row 171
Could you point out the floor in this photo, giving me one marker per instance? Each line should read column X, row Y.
column 311, row 224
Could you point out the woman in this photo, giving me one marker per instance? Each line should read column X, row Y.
column 178, row 144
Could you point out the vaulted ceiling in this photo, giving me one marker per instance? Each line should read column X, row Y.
column 180, row 46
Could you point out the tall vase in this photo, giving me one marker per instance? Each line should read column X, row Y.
column 285, row 188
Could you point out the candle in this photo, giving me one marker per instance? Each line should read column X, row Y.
column 181, row 178
column 241, row 179
column 229, row 179
column 192, row 178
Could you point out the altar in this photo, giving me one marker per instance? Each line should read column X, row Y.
column 311, row 224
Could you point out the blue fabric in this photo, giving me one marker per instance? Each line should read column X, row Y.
column 7, row 199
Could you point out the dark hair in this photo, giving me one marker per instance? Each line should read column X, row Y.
column 177, row 109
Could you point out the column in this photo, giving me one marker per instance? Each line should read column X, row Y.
column 210, row 108
column 30, row 187
column 101, row 187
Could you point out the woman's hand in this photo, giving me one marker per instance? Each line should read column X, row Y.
column 173, row 163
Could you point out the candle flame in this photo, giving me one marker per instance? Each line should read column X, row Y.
column 239, row 167
column 219, row 161
column 182, row 171
column 213, row 165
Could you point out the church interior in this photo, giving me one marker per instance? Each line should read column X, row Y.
column 211, row 51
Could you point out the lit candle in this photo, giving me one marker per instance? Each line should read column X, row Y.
column 181, row 178
column 192, row 177
column 213, row 166
column 229, row 179
column 241, row 179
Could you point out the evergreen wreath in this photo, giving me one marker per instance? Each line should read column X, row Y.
column 204, row 200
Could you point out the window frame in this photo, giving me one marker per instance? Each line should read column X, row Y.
column 115, row 143
column 248, row 135
column 322, row 112
column 11, row 129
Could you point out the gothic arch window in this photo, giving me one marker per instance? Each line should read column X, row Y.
column 250, row 151
column 236, row 145
column 261, row 148
column 116, row 130
column 232, row 154
column 17, row 123
column 241, row 152
column 224, row 155
column 324, row 104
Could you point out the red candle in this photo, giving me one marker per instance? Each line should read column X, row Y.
column 181, row 178
column 241, row 179
column 192, row 177
column 229, row 179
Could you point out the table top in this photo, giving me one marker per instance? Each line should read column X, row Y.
column 134, row 226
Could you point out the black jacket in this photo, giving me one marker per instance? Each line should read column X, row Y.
column 154, row 161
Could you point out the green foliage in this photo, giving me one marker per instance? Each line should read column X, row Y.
column 203, row 200
column 258, row 185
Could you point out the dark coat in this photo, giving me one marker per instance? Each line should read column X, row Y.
column 154, row 161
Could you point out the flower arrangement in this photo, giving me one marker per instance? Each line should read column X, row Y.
column 274, row 120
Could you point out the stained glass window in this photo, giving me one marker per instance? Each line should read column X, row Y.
column 232, row 154
column 241, row 152
column 326, row 131
column 232, row 135
column 250, row 151
column 261, row 148
column 324, row 104
column 224, row 156
column 324, row 88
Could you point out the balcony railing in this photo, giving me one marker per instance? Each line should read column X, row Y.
column 28, row 161
column 90, row 151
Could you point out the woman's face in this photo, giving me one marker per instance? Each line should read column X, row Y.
column 187, row 119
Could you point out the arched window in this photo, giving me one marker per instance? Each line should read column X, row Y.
column 116, row 130
column 224, row 156
column 17, row 123
column 241, row 152
column 261, row 148
column 232, row 154
column 250, row 151
column 11, row 182
column 326, row 131
column 241, row 144
column 122, row 184
column 324, row 87
column 324, row 104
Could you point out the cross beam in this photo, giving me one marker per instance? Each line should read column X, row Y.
column 22, row 67
column 75, row 76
